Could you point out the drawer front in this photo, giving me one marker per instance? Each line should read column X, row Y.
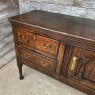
column 41, row 44
column 37, row 59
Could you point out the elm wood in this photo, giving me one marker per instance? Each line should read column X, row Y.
column 56, row 35
column 60, row 58
column 79, row 43
column 37, row 30
column 33, row 48
column 38, row 42
column 61, row 79
column 84, row 71
column 57, row 27
column 37, row 59
column 68, row 25
column 22, row 45
column 66, row 60
column 19, row 64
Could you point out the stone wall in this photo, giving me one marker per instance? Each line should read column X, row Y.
column 8, row 8
column 81, row 8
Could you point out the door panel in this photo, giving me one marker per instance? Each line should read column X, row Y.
column 90, row 73
column 82, row 67
column 79, row 65
column 66, row 59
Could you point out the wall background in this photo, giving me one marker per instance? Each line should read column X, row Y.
column 81, row 8
column 8, row 8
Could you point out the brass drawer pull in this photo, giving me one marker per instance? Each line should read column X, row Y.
column 73, row 63
column 45, row 46
column 26, row 56
column 24, row 38
column 43, row 64
column 34, row 37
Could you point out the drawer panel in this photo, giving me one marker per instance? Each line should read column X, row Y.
column 37, row 59
column 41, row 44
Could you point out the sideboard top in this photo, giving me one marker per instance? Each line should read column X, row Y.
column 68, row 25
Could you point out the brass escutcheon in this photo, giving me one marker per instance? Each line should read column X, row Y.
column 43, row 64
column 73, row 63
column 34, row 37
column 26, row 55
column 45, row 46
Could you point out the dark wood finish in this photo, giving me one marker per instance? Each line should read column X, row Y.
column 37, row 59
column 60, row 58
column 19, row 64
column 60, row 46
column 84, row 70
column 66, row 61
column 38, row 43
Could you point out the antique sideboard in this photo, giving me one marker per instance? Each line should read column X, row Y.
column 60, row 46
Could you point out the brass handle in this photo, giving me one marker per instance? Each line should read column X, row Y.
column 25, row 39
column 43, row 64
column 45, row 46
column 34, row 37
column 26, row 55
column 73, row 63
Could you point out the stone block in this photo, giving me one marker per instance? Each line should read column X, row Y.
column 62, row 2
column 91, row 14
column 79, row 8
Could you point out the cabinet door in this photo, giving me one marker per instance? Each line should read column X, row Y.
column 82, row 67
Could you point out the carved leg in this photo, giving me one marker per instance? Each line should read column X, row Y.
column 20, row 70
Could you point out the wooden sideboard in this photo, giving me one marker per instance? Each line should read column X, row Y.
column 60, row 46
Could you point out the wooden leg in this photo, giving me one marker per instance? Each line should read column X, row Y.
column 20, row 70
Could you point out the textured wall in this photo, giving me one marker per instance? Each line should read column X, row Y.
column 82, row 8
column 8, row 8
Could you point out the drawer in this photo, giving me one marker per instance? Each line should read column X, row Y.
column 37, row 59
column 38, row 43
